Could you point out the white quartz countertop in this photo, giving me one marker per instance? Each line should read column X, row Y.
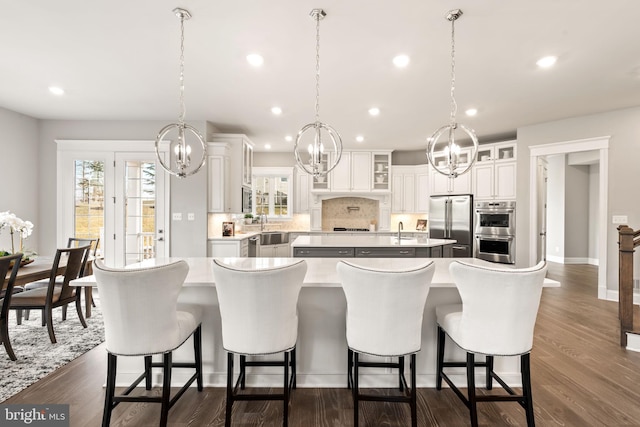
column 237, row 236
column 366, row 242
column 321, row 272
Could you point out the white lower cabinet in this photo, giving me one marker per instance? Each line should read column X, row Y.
column 228, row 248
column 282, row 250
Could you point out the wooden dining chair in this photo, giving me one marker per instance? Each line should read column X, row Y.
column 7, row 292
column 56, row 294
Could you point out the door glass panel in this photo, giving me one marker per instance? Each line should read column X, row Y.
column 281, row 196
column 89, row 200
column 140, row 216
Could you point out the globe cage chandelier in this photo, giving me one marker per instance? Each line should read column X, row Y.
column 179, row 163
column 311, row 159
column 452, row 166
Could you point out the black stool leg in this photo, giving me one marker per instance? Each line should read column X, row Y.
column 197, row 349
column 440, row 358
column 285, row 411
column 110, row 389
column 525, row 366
column 355, row 389
column 243, row 372
column 489, row 370
column 227, row 417
column 414, row 409
column 294, row 379
column 471, row 389
column 147, row 372
column 349, row 368
column 166, row 388
column 400, row 372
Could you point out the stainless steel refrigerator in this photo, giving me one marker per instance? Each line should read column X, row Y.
column 451, row 217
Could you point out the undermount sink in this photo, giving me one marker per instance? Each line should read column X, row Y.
column 405, row 240
column 274, row 237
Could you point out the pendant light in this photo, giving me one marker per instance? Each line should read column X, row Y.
column 180, row 150
column 452, row 166
column 311, row 157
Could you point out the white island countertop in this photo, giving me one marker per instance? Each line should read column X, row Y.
column 367, row 242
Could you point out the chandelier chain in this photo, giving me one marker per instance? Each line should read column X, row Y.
column 454, row 104
column 317, row 67
column 183, row 109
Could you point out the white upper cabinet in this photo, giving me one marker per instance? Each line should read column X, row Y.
column 423, row 190
column 301, row 191
column 403, row 189
column 381, row 178
column 230, row 168
column 321, row 183
column 494, row 174
column 357, row 171
column 442, row 184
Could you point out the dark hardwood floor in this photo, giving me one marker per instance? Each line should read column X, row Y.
column 581, row 377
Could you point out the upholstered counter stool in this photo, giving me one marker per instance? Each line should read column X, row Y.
column 258, row 309
column 5, row 297
column 384, row 318
column 496, row 318
column 141, row 318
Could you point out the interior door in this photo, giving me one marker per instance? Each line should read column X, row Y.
column 140, row 223
column 542, row 209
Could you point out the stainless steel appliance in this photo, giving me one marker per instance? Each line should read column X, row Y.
column 495, row 231
column 451, row 217
column 247, row 202
column 254, row 244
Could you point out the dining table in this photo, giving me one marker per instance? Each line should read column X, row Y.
column 41, row 268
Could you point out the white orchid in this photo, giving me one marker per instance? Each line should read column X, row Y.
column 16, row 225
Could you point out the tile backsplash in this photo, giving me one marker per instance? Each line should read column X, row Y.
column 349, row 212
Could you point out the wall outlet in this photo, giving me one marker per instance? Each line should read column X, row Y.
column 177, row 216
column 619, row 219
column 191, row 216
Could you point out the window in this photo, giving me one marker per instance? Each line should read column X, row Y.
column 272, row 190
column 89, row 200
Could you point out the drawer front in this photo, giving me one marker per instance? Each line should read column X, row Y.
column 323, row 253
column 385, row 252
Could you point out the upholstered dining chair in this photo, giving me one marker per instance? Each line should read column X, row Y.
column 258, row 309
column 496, row 318
column 55, row 294
column 155, row 327
column 384, row 319
column 5, row 301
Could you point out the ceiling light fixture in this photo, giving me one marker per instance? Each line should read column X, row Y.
column 180, row 150
column 267, row 146
column 56, row 90
column 276, row 110
column 547, row 61
column 359, row 138
column 313, row 159
column 401, row 61
column 374, row 111
column 288, row 138
column 471, row 112
column 452, row 150
column 255, row 60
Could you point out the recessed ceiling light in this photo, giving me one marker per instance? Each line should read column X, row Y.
column 547, row 61
column 56, row 90
column 267, row 146
column 471, row 112
column 276, row 110
column 255, row 60
column 374, row 111
column 359, row 138
column 401, row 61
column 288, row 138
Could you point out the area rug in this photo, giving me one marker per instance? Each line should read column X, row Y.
column 37, row 357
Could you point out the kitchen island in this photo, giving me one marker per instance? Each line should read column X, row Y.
column 322, row 345
column 340, row 246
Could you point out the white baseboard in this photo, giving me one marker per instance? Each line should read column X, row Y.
column 612, row 295
column 572, row 260
column 633, row 342
column 576, row 260
column 553, row 258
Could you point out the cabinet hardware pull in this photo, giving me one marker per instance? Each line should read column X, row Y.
column 365, row 252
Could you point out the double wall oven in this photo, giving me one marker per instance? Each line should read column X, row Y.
column 495, row 231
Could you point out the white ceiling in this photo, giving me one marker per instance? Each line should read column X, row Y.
column 118, row 59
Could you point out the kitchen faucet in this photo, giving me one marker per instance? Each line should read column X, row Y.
column 263, row 219
column 400, row 228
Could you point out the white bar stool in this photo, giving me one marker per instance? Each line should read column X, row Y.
column 258, row 309
column 141, row 318
column 384, row 318
column 496, row 318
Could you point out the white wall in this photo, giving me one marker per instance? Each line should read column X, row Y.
column 19, row 174
column 594, row 217
column 555, row 208
column 576, row 231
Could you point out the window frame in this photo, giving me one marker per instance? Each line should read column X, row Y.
column 273, row 172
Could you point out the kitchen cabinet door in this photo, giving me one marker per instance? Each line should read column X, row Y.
column 219, row 248
column 361, row 171
column 422, row 189
column 341, row 174
column 302, row 191
column 483, row 176
column 505, row 180
column 218, row 192
column 403, row 189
